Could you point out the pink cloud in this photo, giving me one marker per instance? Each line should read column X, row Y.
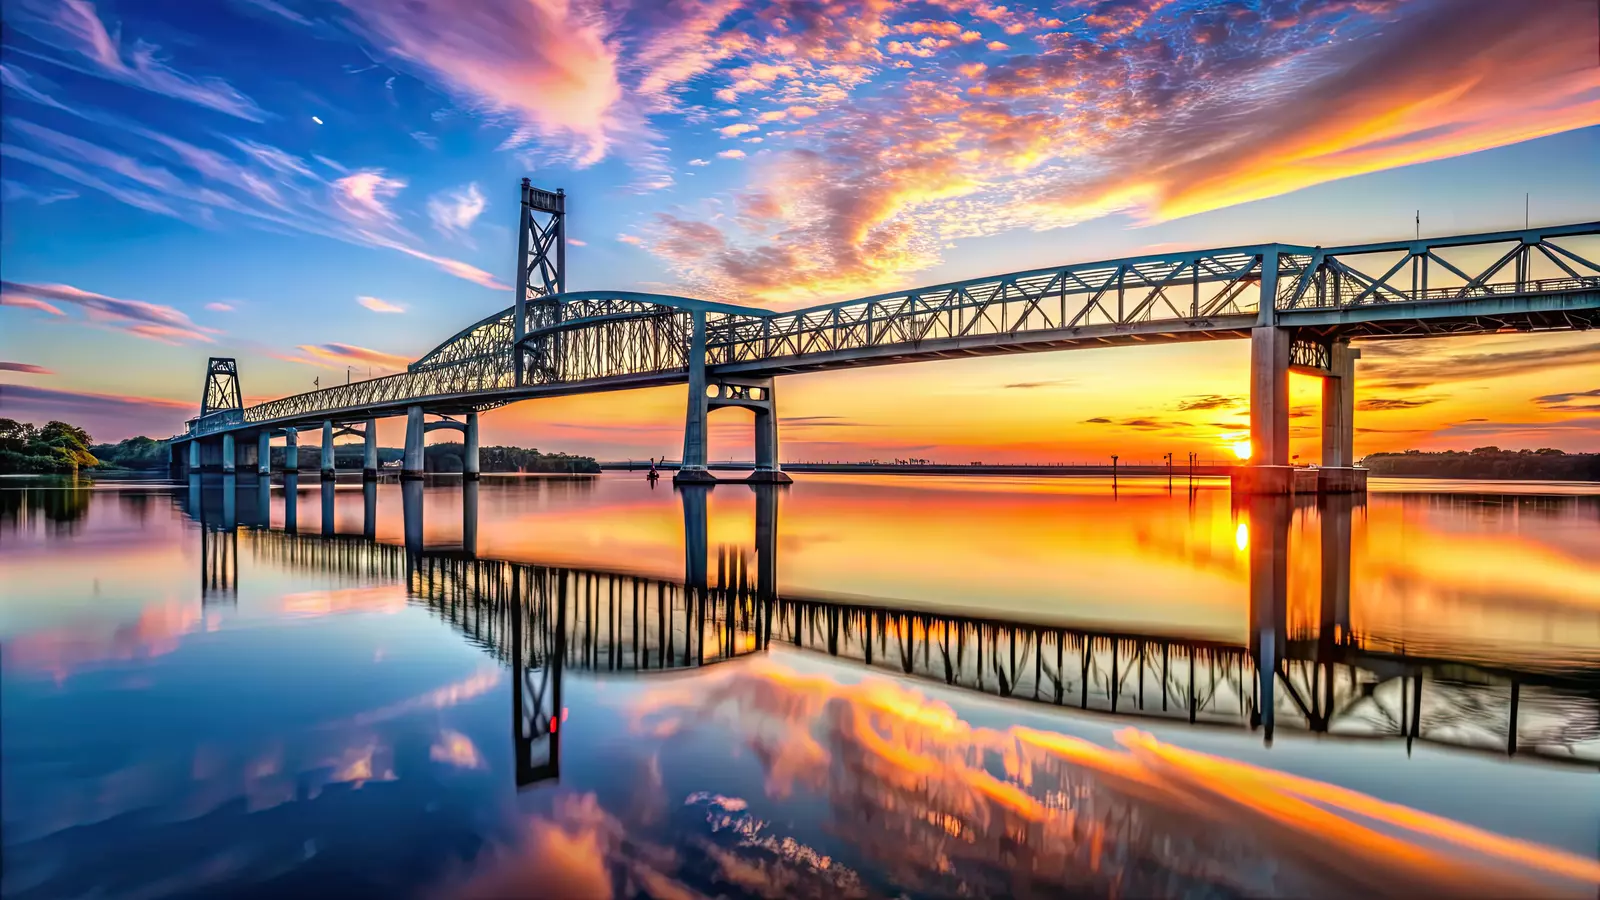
column 219, row 307
column 150, row 320
column 379, row 306
column 75, row 27
column 24, row 368
column 108, row 417
column 546, row 64
column 366, row 194
column 336, row 355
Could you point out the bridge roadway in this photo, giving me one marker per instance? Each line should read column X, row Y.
column 1301, row 307
column 1318, row 676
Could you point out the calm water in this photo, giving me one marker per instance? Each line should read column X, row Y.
column 854, row 686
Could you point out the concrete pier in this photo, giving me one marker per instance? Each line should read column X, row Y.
column 414, row 464
column 227, row 454
column 469, row 461
column 264, row 454
column 329, row 465
column 291, row 451
column 369, row 455
column 693, row 469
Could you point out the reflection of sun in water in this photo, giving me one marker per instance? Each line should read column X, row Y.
column 1241, row 449
column 1241, row 536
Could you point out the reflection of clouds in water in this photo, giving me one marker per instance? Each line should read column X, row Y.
column 944, row 806
column 455, row 749
column 60, row 652
column 386, row 599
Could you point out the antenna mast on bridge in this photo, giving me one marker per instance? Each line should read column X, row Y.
column 541, row 258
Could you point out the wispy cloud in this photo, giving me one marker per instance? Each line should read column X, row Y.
column 264, row 185
column 107, row 417
column 220, row 307
column 336, row 355
column 379, row 306
column 454, row 212
column 1382, row 404
column 73, row 26
column 547, row 67
column 1565, row 401
column 1209, row 401
column 149, row 320
column 24, row 368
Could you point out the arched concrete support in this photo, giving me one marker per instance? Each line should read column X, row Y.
column 470, row 462
column 329, row 465
column 414, row 464
column 264, row 454
column 369, row 457
column 693, row 468
column 228, row 460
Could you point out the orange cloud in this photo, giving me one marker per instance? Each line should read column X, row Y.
column 336, row 355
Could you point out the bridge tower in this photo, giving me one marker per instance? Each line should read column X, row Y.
column 541, row 261
column 222, row 386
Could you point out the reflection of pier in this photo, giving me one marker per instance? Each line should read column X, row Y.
column 1316, row 676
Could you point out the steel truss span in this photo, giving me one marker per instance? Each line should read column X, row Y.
column 576, row 342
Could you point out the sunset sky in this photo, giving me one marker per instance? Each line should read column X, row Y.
column 308, row 186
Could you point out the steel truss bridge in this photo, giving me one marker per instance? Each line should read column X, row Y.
column 553, row 341
column 1311, row 676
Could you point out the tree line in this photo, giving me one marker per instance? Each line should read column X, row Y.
column 62, row 448
column 1546, row 464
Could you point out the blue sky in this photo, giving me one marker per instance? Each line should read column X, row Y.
column 232, row 178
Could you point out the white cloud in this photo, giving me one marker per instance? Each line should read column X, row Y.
column 732, row 154
column 454, row 213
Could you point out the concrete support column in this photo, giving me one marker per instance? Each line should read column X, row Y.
column 693, row 469
column 328, row 463
column 369, row 511
column 469, row 518
column 694, row 537
column 766, row 541
column 326, row 507
column 230, row 502
column 766, row 422
column 264, row 454
column 414, row 465
column 291, row 450
column 411, row 512
column 264, row 503
column 227, row 454
column 1336, row 511
column 369, row 458
column 291, row 500
column 470, row 461
column 1269, row 519
column 1269, row 396
column 194, row 455
column 1338, row 406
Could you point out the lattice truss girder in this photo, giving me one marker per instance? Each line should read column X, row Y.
column 1530, row 262
column 572, row 339
column 1189, row 287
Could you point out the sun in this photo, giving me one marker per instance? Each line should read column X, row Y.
column 1241, row 449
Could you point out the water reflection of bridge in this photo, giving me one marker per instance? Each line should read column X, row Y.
column 1320, row 677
